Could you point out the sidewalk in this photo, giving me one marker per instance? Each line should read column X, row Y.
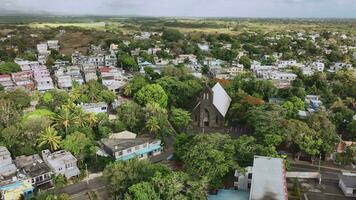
column 322, row 166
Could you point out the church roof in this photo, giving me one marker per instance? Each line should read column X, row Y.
column 221, row 99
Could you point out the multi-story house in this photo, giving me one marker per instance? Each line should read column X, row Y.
column 110, row 60
column 97, row 60
column 24, row 79
column 34, row 169
column 78, row 58
column 43, row 79
column 96, row 108
column 7, row 168
column 61, row 162
column 89, row 72
column 112, row 78
column 64, row 80
column 126, row 149
column 53, row 44
column 6, row 81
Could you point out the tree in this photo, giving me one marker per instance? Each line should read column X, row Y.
column 130, row 113
column 9, row 67
column 64, row 118
column 49, row 137
column 172, row 35
column 245, row 61
column 152, row 125
column 306, row 139
column 8, row 112
column 78, row 144
column 122, row 175
column 180, row 119
column 134, row 85
column 142, row 191
column 128, row 62
column 210, row 156
column 152, row 93
column 326, row 130
column 293, row 106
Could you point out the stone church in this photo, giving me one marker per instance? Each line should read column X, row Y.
column 212, row 107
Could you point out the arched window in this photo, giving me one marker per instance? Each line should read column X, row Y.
column 217, row 119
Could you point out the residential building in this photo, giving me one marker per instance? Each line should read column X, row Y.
column 211, row 108
column 43, row 79
column 97, row 60
column 126, row 149
column 347, row 183
column 43, row 48
column 266, row 179
column 89, row 72
column 78, row 58
column 64, row 80
column 74, row 73
column 15, row 189
column 112, row 78
column 110, row 60
column 24, row 79
column 6, row 81
column 61, row 162
column 339, row 66
column 96, row 108
column 7, row 168
column 53, row 44
column 34, row 169
column 286, row 63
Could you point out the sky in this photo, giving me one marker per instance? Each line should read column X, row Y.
column 189, row 8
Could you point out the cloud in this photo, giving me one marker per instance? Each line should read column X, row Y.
column 209, row 8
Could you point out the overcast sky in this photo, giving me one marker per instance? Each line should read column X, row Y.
column 197, row 8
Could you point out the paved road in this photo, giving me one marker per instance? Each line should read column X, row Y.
column 82, row 190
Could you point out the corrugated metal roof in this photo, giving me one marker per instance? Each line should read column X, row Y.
column 221, row 99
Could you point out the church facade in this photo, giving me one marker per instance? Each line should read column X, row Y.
column 212, row 107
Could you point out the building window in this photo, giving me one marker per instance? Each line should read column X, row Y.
column 249, row 185
column 249, row 175
column 196, row 117
column 129, row 150
column 217, row 120
column 103, row 108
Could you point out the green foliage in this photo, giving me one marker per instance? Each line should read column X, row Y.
column 19, row 97
column 208, row 155
column 9, row 67
column 172, row 35
column 128, row 62
column 59, row 181
column 122, row 175
column 78, row 144
column 293, row 106
column 135, row 85
column 49, row 138
column 152, row 93
column 180, row 119
column 130, row 113
column 53, row 99
column 245, row 61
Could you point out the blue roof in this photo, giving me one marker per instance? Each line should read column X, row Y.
column 230, row 195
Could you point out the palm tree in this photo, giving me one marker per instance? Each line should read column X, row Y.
column 91, row 119
column 152, row 125
column 50, row 137
column 81, row 117
column 64, row 118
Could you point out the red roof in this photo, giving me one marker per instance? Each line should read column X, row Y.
column 104, row 69
column 5, row 76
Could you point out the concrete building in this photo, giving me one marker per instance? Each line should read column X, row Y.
column 125, row 146
column 268, row 179
column 61, row 162
column 110, row 60
column 96, row 108
column 7, row 168
column 24, row 79
column 34, row 169
column 6, row 82
column 211, row 108
column 15, row 190
column 53, row 44
column 347, row 183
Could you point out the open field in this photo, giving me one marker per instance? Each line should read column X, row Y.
column 87, row 25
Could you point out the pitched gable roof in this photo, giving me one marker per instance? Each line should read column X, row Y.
column 221, row 99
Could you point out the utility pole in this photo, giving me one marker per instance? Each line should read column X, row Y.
column 86, row 170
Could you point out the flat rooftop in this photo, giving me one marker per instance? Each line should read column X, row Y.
column 268, row 179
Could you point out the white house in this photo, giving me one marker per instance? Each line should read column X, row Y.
column 96, row 108
column 61, row 162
